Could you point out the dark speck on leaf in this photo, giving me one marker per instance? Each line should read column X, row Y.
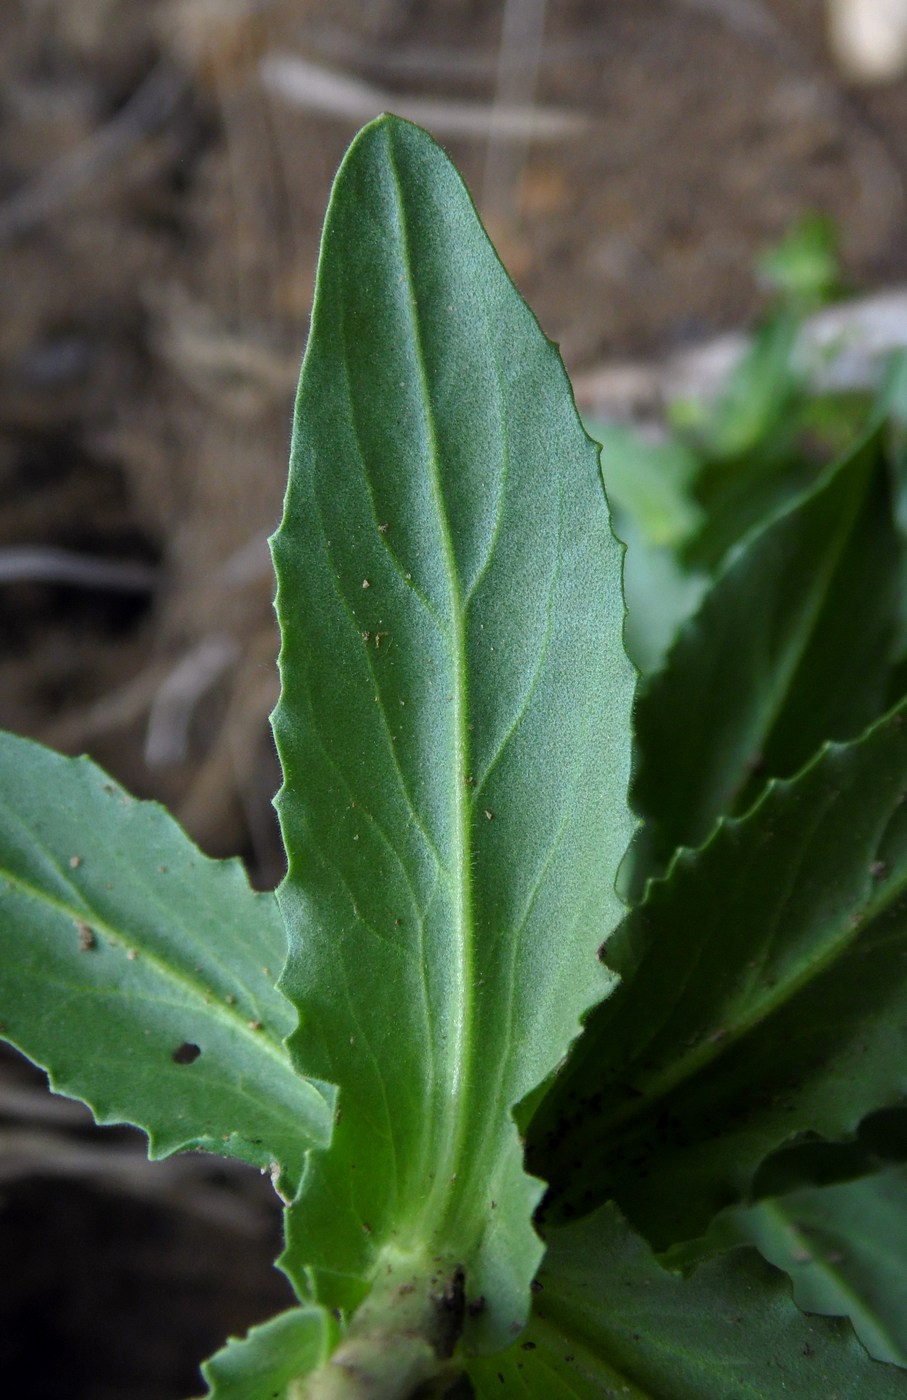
column 186, row 1054
column 87, row 939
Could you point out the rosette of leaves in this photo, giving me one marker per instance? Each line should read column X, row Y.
column 456, row 739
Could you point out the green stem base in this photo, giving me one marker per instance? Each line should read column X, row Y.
column 400, row 1343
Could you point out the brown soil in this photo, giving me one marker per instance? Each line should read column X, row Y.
column 159, row 218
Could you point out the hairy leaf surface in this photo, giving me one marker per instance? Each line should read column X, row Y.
column 608, row 1320
column 265, row 1363
column 453, row 727
column 140, row 974
column 791, row 647
column 764, row 994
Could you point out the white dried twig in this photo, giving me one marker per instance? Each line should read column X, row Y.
column 306, row 84
column 167, row 735
column 519, row 56
column 44, row 564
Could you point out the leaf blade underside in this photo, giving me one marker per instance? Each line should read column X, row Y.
column 764, row 995
column 140, row 974
column 455, row 775
column 608, row 1320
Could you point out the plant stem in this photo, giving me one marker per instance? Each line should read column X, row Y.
column 399, row 1343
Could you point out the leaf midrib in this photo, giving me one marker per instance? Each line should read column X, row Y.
column 459, row 1040
column 707, row 1052
column 233, row 1019
column 563, row 1320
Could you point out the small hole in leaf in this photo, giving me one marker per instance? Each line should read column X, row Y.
column 186, row 1054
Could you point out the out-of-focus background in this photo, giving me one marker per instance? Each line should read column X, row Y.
column 164, row 166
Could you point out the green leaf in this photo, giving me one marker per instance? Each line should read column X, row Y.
column 454, row 733
column 140, row 974
column 648, row 491
column 811, row 1161
column 660, row 596
column 756, row 401
column 763, row 995
column 791, row 647
column 892, row 403
column 805, row 266
column 608, row 1320
column 265, row 1363
column 650, row 482
column 756, row 450
column 845, row 1248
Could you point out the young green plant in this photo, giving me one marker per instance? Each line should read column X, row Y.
column 455, row 734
